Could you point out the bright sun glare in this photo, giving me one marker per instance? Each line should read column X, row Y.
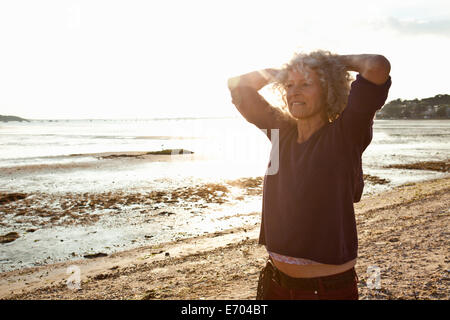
column 103, row 59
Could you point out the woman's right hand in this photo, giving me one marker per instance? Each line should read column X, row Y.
column 270, row 73
column 256, row 79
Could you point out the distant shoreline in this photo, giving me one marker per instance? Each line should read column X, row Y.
column 8, row 118
column 19, row 119
column 12, row 118
column 432, row 108
column 437, row 107
column 377, row 117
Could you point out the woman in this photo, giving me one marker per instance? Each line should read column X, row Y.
column 308, row 224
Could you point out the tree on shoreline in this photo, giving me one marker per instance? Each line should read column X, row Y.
column 12, row 118
column 437, row 107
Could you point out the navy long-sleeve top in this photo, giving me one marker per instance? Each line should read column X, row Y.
column 310, row 187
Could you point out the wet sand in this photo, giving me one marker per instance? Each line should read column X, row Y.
column 44, row 210
column 441, row 166
column 403, row 232
column 28, row 212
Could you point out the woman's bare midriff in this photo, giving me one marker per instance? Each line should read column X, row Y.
column 313, row 270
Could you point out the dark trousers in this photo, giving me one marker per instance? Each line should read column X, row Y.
column 276, row 285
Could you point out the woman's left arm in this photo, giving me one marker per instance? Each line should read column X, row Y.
column 372, row 67
column 367, row 95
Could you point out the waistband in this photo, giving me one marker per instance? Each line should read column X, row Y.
column 326, row 282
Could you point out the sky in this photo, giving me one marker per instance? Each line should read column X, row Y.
column 150, row 59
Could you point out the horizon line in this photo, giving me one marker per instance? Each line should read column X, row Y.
column 135, row 118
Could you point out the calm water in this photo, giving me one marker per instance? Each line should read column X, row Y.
column 227, row 147
column 34, row 158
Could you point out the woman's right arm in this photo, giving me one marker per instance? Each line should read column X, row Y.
column 255, row 80
column 253, row 107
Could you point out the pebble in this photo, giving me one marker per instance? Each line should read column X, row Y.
column 166, row 213
column 9, row 237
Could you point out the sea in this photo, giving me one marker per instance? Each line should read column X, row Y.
column 63, row 156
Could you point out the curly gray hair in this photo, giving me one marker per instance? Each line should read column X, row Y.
column 334, row 78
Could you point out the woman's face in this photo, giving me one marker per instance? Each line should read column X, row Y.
column 304, row 94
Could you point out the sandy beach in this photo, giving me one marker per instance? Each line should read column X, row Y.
column 403, row 232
